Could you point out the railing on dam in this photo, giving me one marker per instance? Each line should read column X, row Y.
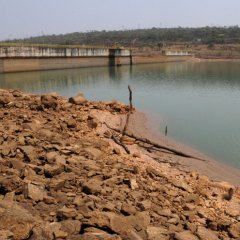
column 48, row 52
column 31, row 58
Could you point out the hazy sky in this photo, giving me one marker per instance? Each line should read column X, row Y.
column 24, row 18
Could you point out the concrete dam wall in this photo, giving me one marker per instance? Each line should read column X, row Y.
column 22, row 58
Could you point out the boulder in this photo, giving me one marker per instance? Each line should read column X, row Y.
column 120, row 224
column 65, row 213
column 58, row 233
column 29, row 153
column 16, row 220
column 54, row 157
column 165, row 212
column 51, row 156
column 49, row 200
column 99, row 236
column 34, row 191
column 17, row 164
column 93, row 153
column 234, row 230
column 157, row 233
column 95, row 219
column 5, row 99
column 57, row 184
column 128, row 227
column 71, row 226
column 48, row 231
column 127, row 209
column 92, row 187
column 10, row 183
column 205, row 213
column 233, row 211
column 141, row 220
column 49, row 101
column 71, row 123
column 78, row 200
column 33, row 125
column 92, row 122
column 185, row 235
column 144, row 205
column 51, row 171
column 132, row 183
column 180, row 183
column 154, row 172
column 206, row 234
column 78, row 100
column 108, row 207
column 42, row 232
column 46, row 133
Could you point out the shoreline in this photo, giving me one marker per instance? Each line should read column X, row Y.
column 141, row 126
column 199, row 59
column 213, row 168
column 174, row 59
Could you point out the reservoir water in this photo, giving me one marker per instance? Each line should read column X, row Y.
column 199, row 102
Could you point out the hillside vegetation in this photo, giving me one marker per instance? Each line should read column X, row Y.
column 154, row 37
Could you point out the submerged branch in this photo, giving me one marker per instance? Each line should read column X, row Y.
column 145, row 140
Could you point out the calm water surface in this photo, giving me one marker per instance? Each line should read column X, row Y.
column 199, row 102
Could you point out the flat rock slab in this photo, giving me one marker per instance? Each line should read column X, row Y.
column 16, row 220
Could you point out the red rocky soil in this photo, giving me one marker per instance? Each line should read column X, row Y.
column 61, row 179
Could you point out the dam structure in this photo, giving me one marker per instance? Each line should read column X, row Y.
column 34, row 58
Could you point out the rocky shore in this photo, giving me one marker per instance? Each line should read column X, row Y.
column 64, row 174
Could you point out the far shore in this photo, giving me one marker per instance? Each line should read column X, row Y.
column 217, row 59
column 163, row 59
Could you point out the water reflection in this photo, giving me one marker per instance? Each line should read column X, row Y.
column 187, row 73
column 45, row 81
column 206, row 75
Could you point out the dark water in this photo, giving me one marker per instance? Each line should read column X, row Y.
column 199, row 102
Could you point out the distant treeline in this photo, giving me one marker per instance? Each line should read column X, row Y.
column 154, row 37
